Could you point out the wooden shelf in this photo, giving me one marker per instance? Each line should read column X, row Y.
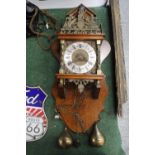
column 80, row 76
column 80, row 36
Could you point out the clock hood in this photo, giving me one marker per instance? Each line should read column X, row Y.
column 81, row 20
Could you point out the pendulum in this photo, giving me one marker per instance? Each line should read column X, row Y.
column 96, row 138
column 65, row 140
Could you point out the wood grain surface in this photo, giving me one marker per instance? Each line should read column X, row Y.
column 119, row 56
column 80, row 76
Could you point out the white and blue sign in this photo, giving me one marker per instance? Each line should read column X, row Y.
column 36, row 120
column 35, row 97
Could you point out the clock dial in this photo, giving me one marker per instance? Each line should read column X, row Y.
column 79, row 57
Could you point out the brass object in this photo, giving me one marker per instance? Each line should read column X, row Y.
column 81, row 21
column 97, row 138
column 65, row 140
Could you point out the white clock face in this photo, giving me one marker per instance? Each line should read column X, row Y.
column 79, row 57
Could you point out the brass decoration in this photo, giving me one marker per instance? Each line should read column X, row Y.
column 97, row 138
column 65, row 140
column 81, row 21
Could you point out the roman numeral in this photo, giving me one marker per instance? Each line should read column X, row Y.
column 69, row 51
column 67, row 57
column 90, row 63
column 73, row 67
column 90, row 51
column 80, row 45
column 69, row 63
column 74, row 46
column 79, row 69
column 86, row 68
column 92, row 57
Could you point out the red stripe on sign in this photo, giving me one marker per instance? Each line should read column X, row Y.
column 44, row 119
column 36, row 112
column 41, row 114
column 44, row 123
column 31, row 110
column 27, row 109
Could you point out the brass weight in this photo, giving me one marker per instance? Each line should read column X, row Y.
column 96, row 138
column 65, row 140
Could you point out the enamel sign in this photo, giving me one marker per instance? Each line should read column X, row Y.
column 36, row 120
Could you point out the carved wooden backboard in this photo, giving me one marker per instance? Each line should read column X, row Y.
column 80, row 111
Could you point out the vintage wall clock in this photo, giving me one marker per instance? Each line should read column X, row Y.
column 80, row 89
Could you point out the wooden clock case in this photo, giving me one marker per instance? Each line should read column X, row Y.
column 78, row 110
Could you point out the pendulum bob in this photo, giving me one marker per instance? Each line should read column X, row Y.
column 65, row 140
column 96, row 138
